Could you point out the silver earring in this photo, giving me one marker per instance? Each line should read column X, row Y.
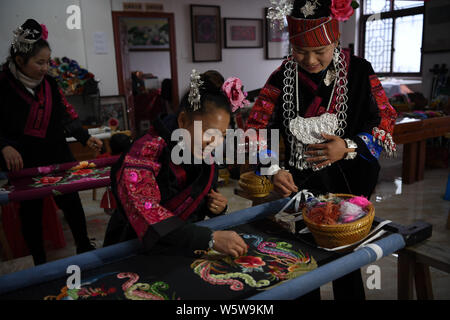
column 336, row 54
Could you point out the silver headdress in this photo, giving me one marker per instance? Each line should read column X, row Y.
column 20, row 42
column 309, row 8
column 279, row 11
column 194, row 91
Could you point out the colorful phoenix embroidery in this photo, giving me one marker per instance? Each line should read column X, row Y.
column 275, row 261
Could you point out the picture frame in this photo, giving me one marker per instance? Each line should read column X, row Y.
column 206, row 33
column 243, row 33
column 277, row 41
column 148, row 34
column 114, row 107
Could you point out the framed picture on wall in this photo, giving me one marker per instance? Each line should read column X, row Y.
column 206, row 33
column 243, row 33
column 148, row 34
column 114, row 108
column 277, row 39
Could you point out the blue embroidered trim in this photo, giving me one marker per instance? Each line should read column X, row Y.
column 374, row 148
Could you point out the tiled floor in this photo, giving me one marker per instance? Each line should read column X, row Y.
column 401, row 203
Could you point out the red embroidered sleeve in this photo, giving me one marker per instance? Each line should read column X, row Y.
column 137, row 188
column 260, row 116
column 383, row 133
column 69, row 108
column 262, row 110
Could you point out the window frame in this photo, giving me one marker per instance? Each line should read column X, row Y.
column 394, row 14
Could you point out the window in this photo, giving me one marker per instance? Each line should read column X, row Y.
column 391, row 36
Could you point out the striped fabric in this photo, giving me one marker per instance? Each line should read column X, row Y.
column 313, row 32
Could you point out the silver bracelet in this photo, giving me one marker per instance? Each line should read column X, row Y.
column 351, row 145
column 211, row 242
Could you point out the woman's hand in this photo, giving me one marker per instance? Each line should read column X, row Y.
column 324, row 154
column 94, row 143
column 283, row 183
column 216, row 202
column 230, row 243
column 12, row 158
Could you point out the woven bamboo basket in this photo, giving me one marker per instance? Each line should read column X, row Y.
column 332, row 236
column 254, row 185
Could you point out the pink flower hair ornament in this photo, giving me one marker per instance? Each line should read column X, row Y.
column 232, row 88
column 44, row 32
column 342, row 10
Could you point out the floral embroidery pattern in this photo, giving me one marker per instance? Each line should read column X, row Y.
column 383, row 133
column 49, row 180
column 85, row 291
column 131, row 289
column 83, row 165
column 137, row 187
column 250, row 263
column 140, row 196
column 143, row 291
column 274, row 261
column 82, row 172
column 285, row 263
column 373, row 147
column 70, row 176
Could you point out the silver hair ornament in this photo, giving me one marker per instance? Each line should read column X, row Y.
column 194, row 91
column 278, row 11
column 309, row 8
column 20, row 42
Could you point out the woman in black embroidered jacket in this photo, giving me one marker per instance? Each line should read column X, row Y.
column 35, row 119
column 330, row 108
column 160, row 197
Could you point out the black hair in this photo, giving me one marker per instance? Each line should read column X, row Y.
column 37, row 46
column 119, row 143
column 211, row 95
column 323, row 9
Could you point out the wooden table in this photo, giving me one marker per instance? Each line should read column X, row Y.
column 414, row 135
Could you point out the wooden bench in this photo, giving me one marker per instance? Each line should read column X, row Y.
column 413, row 267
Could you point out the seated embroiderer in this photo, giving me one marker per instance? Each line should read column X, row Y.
column 158, row 200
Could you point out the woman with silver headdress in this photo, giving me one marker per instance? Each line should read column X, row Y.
column 34, row 120
column 329, row 106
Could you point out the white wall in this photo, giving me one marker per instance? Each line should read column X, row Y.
column 74, row 44
column 52, row 13
column 248, row 64
column 96, row 17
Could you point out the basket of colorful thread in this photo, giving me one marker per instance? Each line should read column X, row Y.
column 338, row 219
